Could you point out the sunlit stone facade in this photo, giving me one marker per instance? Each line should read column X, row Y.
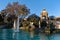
column 44, row 14
column 56, row 20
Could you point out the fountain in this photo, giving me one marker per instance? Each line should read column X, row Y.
column 16, row 25
column 39, row 24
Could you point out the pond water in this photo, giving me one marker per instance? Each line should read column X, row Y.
column 9, row 34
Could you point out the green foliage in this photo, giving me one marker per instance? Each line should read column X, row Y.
column 34, row 18
column 51, row 17
column 16, row 9
column 13, row 10
column 25, row 23
column 1, row 18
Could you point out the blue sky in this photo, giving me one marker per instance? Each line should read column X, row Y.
column 36, row 6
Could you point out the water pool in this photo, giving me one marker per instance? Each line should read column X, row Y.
column 9, row 34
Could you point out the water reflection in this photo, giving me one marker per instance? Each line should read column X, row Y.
column 23, row 35
column 33, row 36
column 15, row 35
column 43, row 36
column 6, row 35
column 55, row 36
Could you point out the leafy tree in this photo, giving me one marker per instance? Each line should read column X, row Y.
column 34, row 18
column 51, row 17
column 2, row 15
column 25, row 23
column 1, row 19
column 16, row 10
